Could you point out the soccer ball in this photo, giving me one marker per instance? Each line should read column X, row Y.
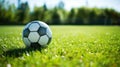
column 36, row 34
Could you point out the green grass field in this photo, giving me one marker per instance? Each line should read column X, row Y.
column 71, row 46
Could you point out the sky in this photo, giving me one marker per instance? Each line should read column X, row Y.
column 114, row 4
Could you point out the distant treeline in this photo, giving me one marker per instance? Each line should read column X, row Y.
column 10, row 15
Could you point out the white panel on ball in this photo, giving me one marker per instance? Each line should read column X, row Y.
column 43, row 40
column 34, row 27
column 26, row 41
column 33, row 37
column 43, row 24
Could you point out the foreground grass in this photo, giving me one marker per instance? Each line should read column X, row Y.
column 71, row 46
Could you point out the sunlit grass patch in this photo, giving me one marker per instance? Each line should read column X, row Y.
column 71, row 46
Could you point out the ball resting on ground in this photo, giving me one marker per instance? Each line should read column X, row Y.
column 36, row 34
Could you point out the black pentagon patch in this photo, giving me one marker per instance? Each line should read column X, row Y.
column 35, row 45
column 42, row 31
column 26, row 32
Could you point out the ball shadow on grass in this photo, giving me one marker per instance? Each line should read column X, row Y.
column 20, row 51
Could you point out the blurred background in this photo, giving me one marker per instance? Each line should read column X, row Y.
column 60, row 12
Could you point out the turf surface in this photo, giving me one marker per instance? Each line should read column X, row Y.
column 71, row 46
